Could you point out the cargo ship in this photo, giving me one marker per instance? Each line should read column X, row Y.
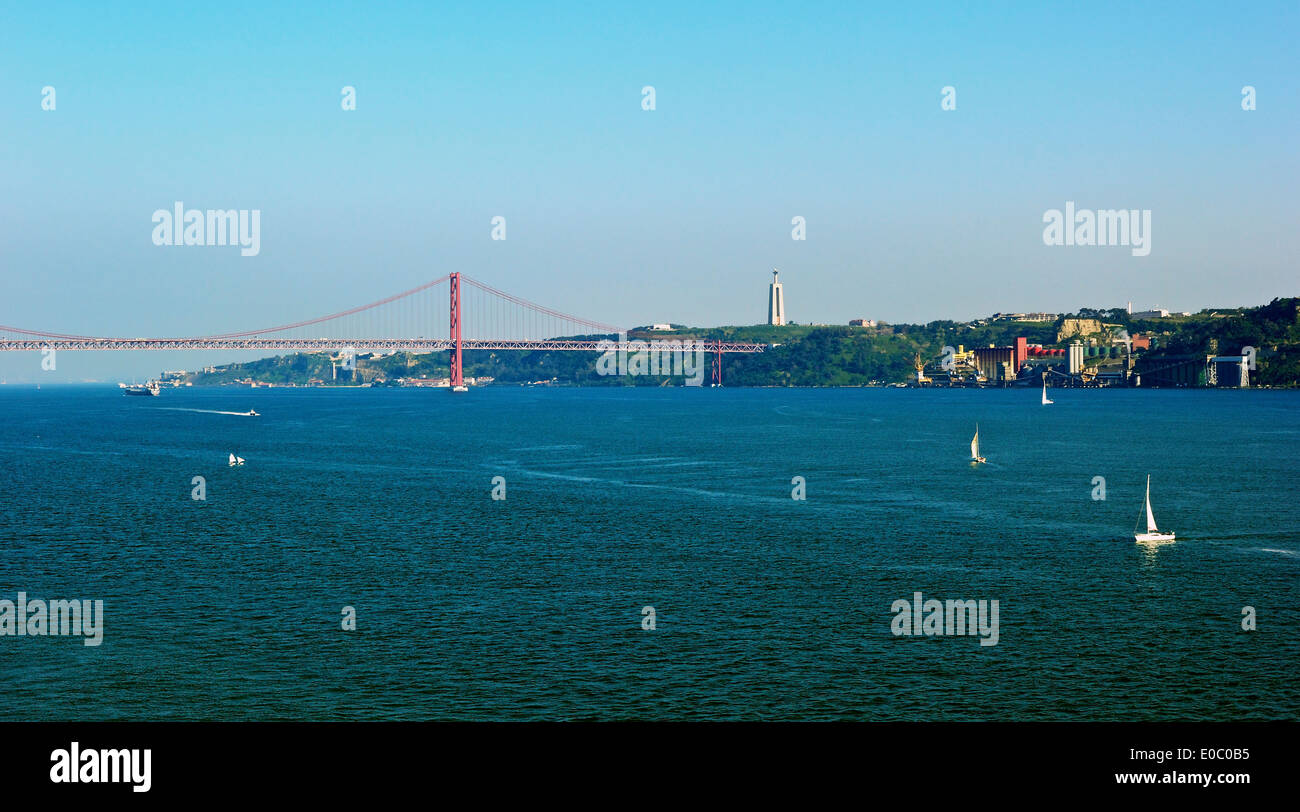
column 150, row 389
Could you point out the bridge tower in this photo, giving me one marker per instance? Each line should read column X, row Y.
column 717, row 363
column 457, row 375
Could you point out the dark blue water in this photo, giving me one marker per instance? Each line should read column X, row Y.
column 767, row 607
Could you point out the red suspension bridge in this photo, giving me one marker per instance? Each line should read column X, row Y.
column 479, row 317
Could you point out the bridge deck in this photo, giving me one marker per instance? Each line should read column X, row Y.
column 335, row 345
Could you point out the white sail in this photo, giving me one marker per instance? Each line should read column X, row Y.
column 1151, row 517
column 1045, row 400
column 1152, row 534
column 232, row 459
column 975, row 444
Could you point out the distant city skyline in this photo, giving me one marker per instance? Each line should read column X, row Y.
column 815, row 140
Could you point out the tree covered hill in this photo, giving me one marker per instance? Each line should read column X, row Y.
column 811, row 355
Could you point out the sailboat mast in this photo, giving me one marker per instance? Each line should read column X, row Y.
column 1151, row 518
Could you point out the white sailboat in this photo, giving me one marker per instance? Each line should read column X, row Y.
column 236, row 460
column 975, row 446
column 1046, row 400
column 1153, row 533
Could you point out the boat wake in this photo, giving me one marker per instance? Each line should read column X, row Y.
column 206, row 411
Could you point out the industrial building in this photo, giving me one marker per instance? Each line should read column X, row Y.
column 1001, row 363
column 1226, row 371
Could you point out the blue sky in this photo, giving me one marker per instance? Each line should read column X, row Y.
column 765, row 111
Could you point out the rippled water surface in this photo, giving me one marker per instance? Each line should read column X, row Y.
column 767, row 607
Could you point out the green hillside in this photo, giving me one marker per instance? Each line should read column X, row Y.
column 808, row 355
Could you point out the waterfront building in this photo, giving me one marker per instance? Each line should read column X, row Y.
column 1076, row 358
column 994, row 362
column 1232, row 371
column 1003, row 363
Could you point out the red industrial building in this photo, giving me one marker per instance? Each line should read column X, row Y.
column 1004, row 363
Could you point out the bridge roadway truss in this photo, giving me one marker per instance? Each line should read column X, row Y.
column 505, row 313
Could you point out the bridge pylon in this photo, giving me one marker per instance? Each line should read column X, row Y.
column 457, row 373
